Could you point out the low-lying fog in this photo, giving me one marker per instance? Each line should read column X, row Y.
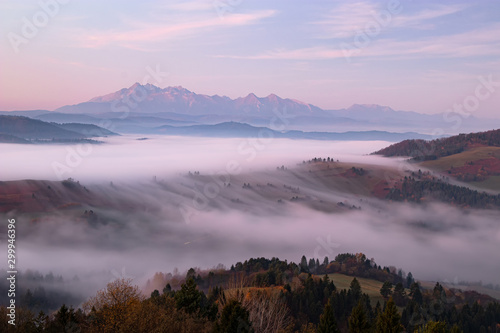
column 129, row 157
column 434, row 242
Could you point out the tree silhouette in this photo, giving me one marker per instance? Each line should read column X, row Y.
column 188, row 298
column 234, row 319
column 355, row 288
column 399, row 294
column 389, row 320
column 303, row 264
column 111, row 306
column 386, row 289
column 358, row 321
column 327, row 322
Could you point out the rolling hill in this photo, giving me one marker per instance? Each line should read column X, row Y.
column 6, row 138
column 20, row 129
column 235, row 129
column 421, row 150
column 472, row 158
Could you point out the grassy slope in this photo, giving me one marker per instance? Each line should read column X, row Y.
column 476, row 287
column 492, row 183
column 338, row 176
column 368, row 286
column 459, row 160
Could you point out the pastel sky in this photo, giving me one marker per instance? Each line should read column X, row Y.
column 423, row 56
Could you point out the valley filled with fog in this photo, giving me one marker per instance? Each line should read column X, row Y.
column 166, row 204
column 137, row 157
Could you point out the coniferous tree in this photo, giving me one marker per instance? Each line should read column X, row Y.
column 355, row 289
column 399, row 294
column 188, row 298
column 389, row 320
column 327, row 322
column 416, row 294
column 303, row 264
column 312, row 265
column 386, row 289
column 409, row 280
column 359, row 321
column 234, row 318
column 378, row 309
column 434, row 327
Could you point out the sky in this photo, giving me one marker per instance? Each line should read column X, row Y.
column 425, row 56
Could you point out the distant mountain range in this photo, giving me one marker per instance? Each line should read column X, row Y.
column 151, row 99
column 141, row 108
column 180, row 104
column 19, row 129
column 234, row 129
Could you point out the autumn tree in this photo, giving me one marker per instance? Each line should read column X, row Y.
column 165, row 318
column 267, row 311
column 433, row 327
column 111, row 306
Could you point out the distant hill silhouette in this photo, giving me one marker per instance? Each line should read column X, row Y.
column 421, row 150
column 19, row 129
column 6, row 138
column 235, row 129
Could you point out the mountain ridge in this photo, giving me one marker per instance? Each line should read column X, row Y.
column 149, row 98
column 236, row 129
column 190, row 107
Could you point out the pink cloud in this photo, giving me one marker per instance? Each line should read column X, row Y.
column 156, row 32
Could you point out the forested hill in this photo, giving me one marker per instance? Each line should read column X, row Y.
column 422, row 150
column 19, row 129
column 258, row 296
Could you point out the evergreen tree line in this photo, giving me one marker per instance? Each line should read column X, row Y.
column 416, row 190
column 298, row 301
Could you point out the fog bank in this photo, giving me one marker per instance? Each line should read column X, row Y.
column 147, row 224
